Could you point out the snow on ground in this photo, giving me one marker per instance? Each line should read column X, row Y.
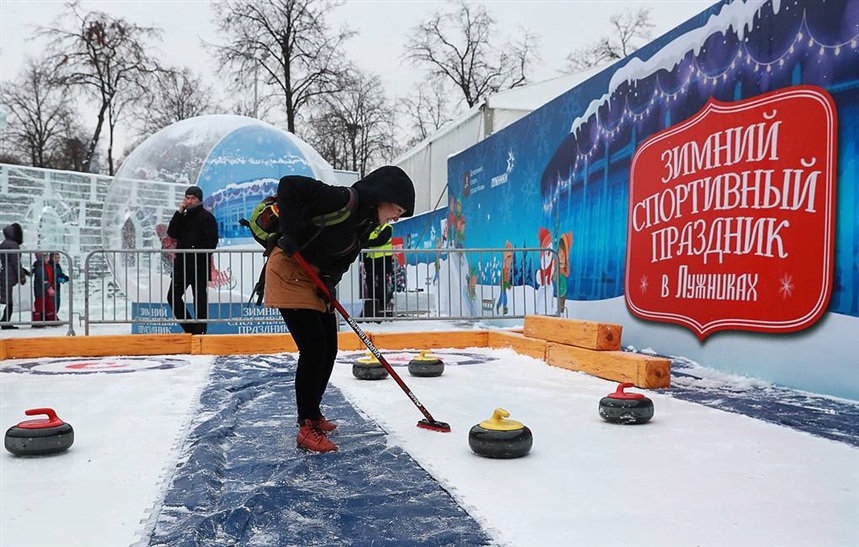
column 128, row 427
column 692, row 476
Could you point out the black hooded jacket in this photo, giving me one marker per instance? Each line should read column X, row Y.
column 302, row 201
column 11, row 272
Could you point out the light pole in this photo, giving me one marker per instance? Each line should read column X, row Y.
column 352, row 129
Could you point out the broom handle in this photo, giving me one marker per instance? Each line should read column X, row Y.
column 321, row 286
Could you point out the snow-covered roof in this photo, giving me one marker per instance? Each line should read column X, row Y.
column 524, row 99
column 533, row 96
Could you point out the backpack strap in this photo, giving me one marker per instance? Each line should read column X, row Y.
column 336, row 217
column 259, row 288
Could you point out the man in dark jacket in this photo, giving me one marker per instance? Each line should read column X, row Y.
column 193, row 227
column 329, row 225
column 11, row 271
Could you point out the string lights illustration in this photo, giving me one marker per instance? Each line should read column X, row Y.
column 804, row 43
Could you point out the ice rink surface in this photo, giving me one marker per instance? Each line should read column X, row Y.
column 197, row 450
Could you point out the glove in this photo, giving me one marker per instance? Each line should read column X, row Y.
column 332, row 290
column 287, row 245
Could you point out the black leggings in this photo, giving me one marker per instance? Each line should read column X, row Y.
column 315, row 334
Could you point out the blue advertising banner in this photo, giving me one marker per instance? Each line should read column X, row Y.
column 250, row 323
column 706, row 186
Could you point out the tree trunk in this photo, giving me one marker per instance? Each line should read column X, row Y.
column 94, row 140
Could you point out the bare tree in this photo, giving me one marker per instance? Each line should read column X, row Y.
column 354, row 128
column 457, row 46
column 71, row 153
column 39, row 110
column 174, row 95
column 104, row 56
column 425, row 110
column 626, row 28
column 287, row 43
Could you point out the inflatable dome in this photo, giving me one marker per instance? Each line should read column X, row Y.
column 235, row 160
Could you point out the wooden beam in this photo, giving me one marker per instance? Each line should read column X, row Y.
column 349, row 341
column 642, row 370
column 430, row 339
column 3, row 353
column 246, row 344
column 533, row 347
column 573, row 332
column 99, row 346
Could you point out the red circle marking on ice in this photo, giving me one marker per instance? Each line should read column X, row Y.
column 96, row 365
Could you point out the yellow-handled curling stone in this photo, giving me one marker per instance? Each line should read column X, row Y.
column 369, row 368
column 426, row 366
column 500, row 438
column 626, row 408
column 39, row 437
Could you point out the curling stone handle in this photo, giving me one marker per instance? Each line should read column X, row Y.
column 52, row 421
column 50, row 412
column 622, row 386
column 619, row 393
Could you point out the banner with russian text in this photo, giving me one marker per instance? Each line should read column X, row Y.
column 732, row 215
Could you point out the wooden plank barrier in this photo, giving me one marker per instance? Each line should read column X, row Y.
column 99, row 346
column 573, row 332
column 245, row 344
column 3, row 352
column 642, row 370
column 349, row 341
column 533, row 347
column 430, row 339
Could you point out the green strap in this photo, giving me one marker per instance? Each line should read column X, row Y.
column 336, row 217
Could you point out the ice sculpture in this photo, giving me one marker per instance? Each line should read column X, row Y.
column 235, row 160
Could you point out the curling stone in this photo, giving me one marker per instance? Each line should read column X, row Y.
column 626, row 408
column 369, row 368
column 426, row 366
column 39, row 437
column 500, row 438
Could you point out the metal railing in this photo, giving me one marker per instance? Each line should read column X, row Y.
column 34, row 285
column 412, row 284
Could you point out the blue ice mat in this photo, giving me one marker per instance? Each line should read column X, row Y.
column 244, row 482
column 820, row 415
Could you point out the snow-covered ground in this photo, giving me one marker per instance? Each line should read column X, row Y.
column 694, row 475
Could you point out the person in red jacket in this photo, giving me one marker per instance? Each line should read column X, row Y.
column 329, row 225
column 43, row 290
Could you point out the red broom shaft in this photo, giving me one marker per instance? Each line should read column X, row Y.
column 321, row 286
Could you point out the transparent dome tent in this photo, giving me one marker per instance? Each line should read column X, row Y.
column 236, row 162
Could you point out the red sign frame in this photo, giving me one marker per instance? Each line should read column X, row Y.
column 732, row 216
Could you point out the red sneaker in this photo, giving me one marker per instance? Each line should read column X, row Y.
column 312, row 439
column 324, row 425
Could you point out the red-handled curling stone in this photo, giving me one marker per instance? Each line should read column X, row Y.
column 369, row 368
column 626, row 408
column 39, row 437
column 426, row 366
column 500, row 438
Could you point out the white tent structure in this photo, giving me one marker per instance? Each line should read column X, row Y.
column 426, row 163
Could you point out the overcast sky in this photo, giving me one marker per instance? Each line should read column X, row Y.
column 383, row 26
